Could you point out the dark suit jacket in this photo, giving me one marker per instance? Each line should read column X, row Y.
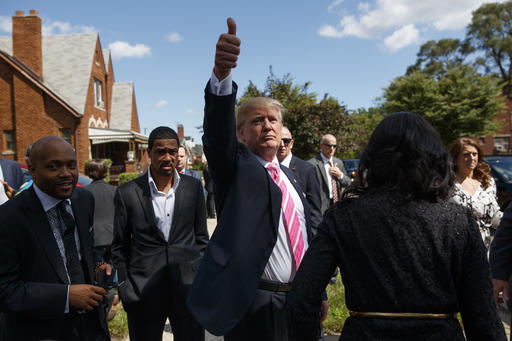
column 103, row 212
column 500, row 256
column 248, row 210
column 196, row 175
column 143, row 258
column 305, row 174
column 322, row 177
column 33, row 281
column 12, row 173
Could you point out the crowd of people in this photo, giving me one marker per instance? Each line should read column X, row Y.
column 412, row 235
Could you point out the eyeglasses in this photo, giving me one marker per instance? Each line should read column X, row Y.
column 286, row 141
column 329, row 145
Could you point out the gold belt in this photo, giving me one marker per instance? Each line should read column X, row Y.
column 403, row 315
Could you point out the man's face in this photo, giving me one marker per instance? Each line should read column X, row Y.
column 163, row 154
column 328, row 146
column 55, row 169
column 182, row 159
column 285, row 148
column 261, row 132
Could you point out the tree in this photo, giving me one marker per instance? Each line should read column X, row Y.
column 490, row 32
column 460, row 103
column 364, row 122
column 307, row 118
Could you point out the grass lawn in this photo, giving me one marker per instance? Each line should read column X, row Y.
column 338, row 312
column 118, row 326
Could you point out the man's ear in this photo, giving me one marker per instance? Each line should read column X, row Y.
column 240, row 134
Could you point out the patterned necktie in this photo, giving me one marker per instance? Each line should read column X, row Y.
column 291, row 220
column 75, row 271
column 334, row 184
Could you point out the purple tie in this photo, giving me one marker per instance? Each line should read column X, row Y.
column 291, row 219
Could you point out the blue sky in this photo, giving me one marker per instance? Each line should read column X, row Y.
column 349, row 49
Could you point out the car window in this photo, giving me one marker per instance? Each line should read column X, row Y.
column 503, row 167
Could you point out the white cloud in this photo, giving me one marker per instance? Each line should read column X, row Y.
column 390, row 19
column 174, row 37
column 5, row 24
column 161, row 103
column 402, row 37
column 329, row 31
column 122, row 49
column 334, row 4
column 60, row 27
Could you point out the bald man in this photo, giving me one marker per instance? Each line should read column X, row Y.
column 48, row 263
column 330, row 172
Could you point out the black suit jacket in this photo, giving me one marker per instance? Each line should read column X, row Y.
column 308, row 180
column 500, row 256
column 12, row 173
column 33, row 280
column 248, row 210
column 103, row 212
column 143, row 258
column 322, row 178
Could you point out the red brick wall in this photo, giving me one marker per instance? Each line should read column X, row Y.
column 26, row 40
column 505, row 130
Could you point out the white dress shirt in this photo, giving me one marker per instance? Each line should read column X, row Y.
column 286, row 161
column 163, row 204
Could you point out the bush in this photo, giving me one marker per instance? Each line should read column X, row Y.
column 125, row 177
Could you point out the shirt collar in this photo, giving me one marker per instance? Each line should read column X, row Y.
column 324, row 159
column 47, row 201
column 286, row 161
column 264, row 162
column 154, row 189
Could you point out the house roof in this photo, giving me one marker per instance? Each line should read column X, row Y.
column 122, row 103
column 101, row 135
column 67, row 64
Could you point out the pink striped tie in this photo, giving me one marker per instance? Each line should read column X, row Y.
column 291, row 220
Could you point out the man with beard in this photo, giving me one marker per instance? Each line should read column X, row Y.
column 159, row 236
column 48, row 263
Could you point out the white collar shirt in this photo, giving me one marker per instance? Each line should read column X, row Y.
column 163, row 204
column 286, row 161
column 281, row 266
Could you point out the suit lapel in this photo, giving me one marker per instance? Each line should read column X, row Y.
column 179, row 196
column 144, row 194
column 321, row 167
column 39, row 223
column 82, row 224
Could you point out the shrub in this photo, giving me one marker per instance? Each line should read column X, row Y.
column 125, row 177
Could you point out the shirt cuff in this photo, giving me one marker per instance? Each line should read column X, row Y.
column 66, row 308
column 223, row 87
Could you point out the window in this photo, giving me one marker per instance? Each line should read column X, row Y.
column 10, row 140
column 501, row 143
column 482, row 140
column 65, row 133
column 98, row 94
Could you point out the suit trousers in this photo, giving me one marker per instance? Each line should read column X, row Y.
column 146, row 319
column 265, row 319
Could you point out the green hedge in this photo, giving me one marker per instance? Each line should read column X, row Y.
column 125, row 177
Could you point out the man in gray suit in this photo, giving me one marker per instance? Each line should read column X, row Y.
column 330, row 172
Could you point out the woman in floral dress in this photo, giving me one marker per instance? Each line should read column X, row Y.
column 474, row 187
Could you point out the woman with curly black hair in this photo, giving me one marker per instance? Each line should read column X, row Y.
column 474, row 187
column 409, row 259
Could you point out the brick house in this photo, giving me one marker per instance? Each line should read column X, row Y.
column 499, row 143
column 64, row 85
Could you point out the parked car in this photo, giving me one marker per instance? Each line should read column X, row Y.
column 82, row 179
column 501, row 171
column 351, row 166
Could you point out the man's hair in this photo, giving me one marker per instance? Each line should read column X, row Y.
column 162, row 133
column 257, row 102
column 405, row 156
column 97, row 169
column 325, row 137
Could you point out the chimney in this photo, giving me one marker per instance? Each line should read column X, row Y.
column 26, row 40
column 181, row 133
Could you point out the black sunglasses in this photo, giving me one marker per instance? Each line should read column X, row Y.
column 329, row 145
column 286, row 141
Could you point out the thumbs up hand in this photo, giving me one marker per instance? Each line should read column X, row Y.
column 227, row 51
